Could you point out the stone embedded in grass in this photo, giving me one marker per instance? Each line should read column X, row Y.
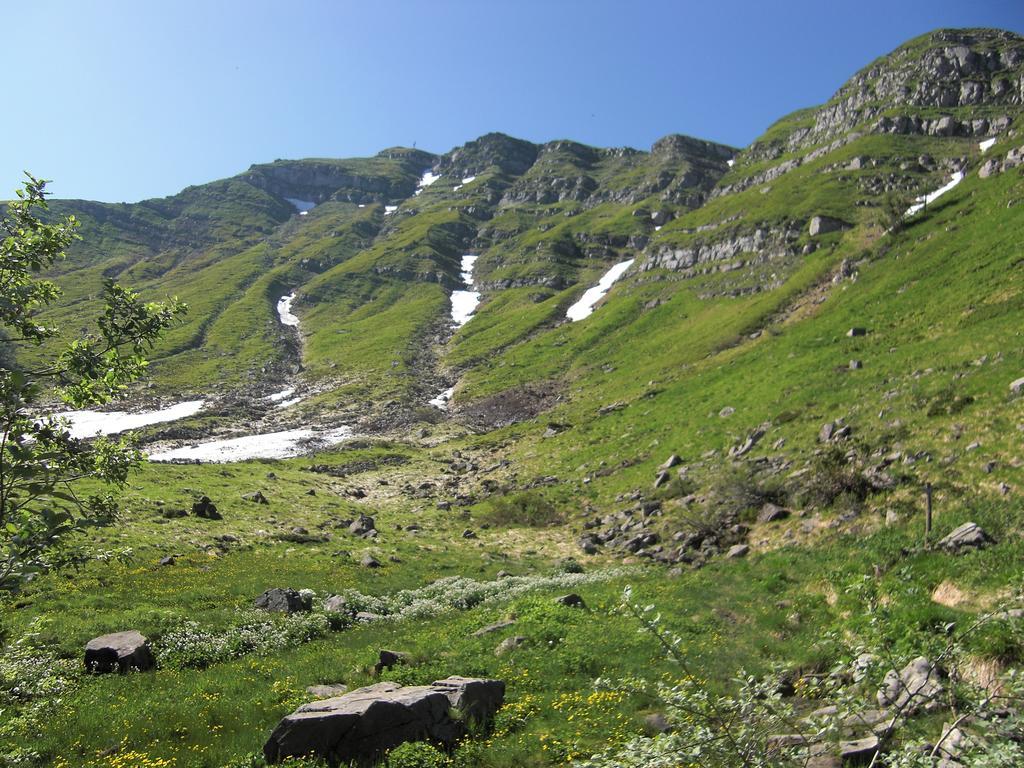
column 822, row 225
column 857, row 331
column 967, row 536
column 256, row 497
column 284, row 601
column 495, row 627
column 1017, row 386
column 389, row 659
column 661, row 479
column 572, row 600
column 771, row 512
column 509, row 644
column 671, row 461
column 336, row 604
column 119, row 652
column 468, row 534
column 363, row 525
column 856, row 365
column 362, row 725
column 369, row 561
column 738, row 550
column 206, row 509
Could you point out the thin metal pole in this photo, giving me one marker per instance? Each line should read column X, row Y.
column 927, row 510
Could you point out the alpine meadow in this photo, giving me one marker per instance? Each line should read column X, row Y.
column 533, row 454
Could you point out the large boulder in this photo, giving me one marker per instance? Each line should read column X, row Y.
column 119, row 652
column 822, row 225
column 918, row 685
column 283, row 601
column 206, row 509
column 964, row 537
column 363, row 525
column 362, row 725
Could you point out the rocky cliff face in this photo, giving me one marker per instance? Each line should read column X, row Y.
column 347, row 181
column 945, row 70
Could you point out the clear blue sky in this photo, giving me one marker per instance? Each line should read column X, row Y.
column 126, row 100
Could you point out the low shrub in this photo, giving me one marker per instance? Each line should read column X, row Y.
column 526, row 508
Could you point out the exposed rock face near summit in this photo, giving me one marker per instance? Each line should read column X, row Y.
column 361, row 725
column 946, row 69
column 320, row 180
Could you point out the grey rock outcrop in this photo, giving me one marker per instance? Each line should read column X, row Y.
column 206, row 509
column 283, row 601
column 822, row 225
column 918, row 685
column 327, row 691
column 361, row 725
column 967, row 536
column 119, row 652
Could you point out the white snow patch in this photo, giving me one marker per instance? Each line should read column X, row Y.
column 986, row 145
column 468, row 180
column 362, row 205
column 282, row 395
column 464, row 303
column 284, row 311
column 442, row 400
column 273, row 445
column 585, row 306
column 730, row 163
column 426, row 180
column 389, row 209
column 302, row 206
column 83, row 424
column 456, row 188
column 932, row 196
column 657, row 228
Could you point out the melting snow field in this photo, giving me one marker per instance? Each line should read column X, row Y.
column 273, row 445
column 464, row 303
column 986, row 145
column 442, row 400
column 284, row 311
column 932, row 196
column 284, row 399
column 91, row 423
column 585, row 306
column 426, row 180
column 730, row 163
column 389, row 209
column 302, row 206
column 469, row 180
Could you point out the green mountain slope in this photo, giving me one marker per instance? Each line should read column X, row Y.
column 746, row 424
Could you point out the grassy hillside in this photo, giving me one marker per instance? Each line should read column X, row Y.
column 742, row 330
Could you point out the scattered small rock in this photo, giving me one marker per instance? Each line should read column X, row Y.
column 509, row 644
column 495, row 627
column 389, row 659
column 256, row 497
column 572, row 600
